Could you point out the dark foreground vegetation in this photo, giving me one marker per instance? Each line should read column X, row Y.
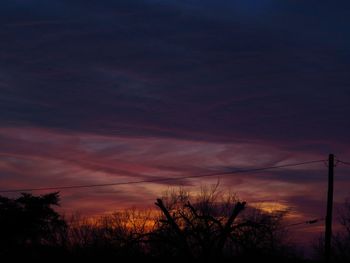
column 210, row 226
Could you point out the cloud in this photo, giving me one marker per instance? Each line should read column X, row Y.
column 113, row 91
column 35, row 157
column 32, row 157
column 147, row 69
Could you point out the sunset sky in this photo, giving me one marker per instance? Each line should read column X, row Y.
column 96, row 92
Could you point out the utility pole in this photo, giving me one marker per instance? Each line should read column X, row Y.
column 328, row 233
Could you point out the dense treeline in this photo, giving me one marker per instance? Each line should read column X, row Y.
column 208, row 226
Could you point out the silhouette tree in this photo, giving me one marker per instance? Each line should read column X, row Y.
column 261, row 235
column 209, row 225
column 29, row 221
column 196, row 227
column 119, row 235
column 340, row 244
column 341, row 241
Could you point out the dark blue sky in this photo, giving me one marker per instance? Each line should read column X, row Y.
column 99, row 91
column 275, row 70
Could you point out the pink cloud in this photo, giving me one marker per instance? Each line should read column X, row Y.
column 31, row 157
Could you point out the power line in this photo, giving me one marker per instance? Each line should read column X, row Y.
column 346, row 163
column 309, row 222
column 160, row 179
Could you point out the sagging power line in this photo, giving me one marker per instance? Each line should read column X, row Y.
column 308, row 222
column 342, row 162
column 237, row 171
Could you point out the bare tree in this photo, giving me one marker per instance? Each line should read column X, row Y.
column 197, row 226
column 341, row 241
column 121, row 234
column 262, row 234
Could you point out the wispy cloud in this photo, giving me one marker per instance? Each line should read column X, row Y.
column 35, row 157
column 114, row 91
column 160, row 70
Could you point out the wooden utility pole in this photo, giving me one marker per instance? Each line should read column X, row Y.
column 328, row 233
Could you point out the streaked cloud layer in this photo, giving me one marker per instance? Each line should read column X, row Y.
column 138, row 67
column 109, row 91
column 32, row 158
